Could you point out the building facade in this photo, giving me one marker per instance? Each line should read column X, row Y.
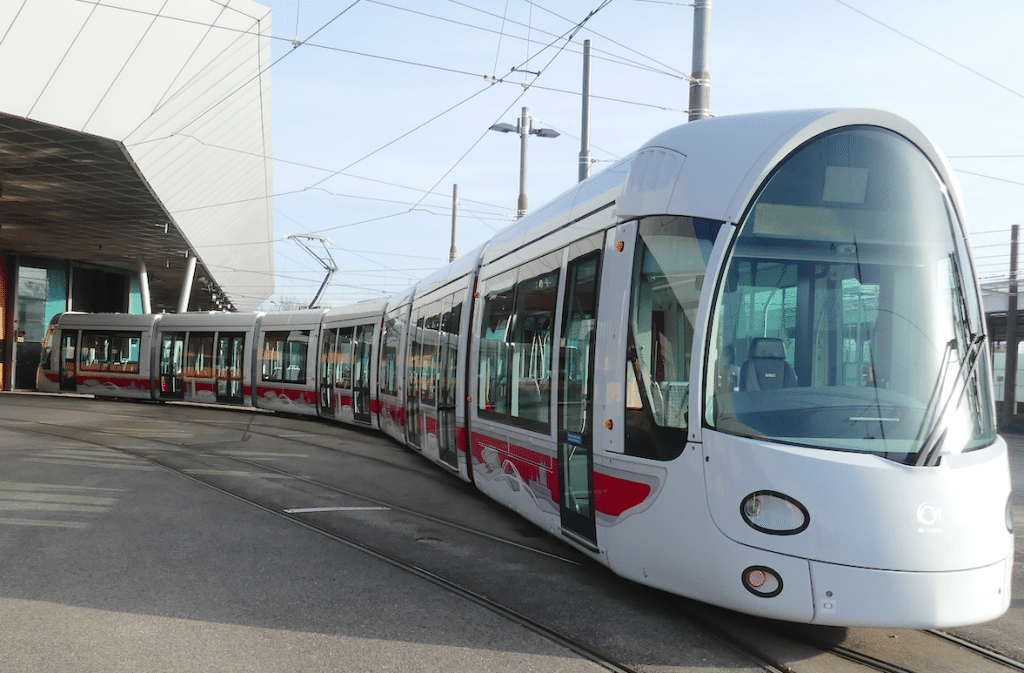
column 135, row 170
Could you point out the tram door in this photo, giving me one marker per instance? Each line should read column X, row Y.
column 230, row 363
column 413, row 372
column 361, row 344
column 68, row 349
column 328, row 361
column 576, row 388
column 447, row 358
column 172, row 353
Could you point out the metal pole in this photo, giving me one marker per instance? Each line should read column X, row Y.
column 585, row 160
column 524, row 134
column 453, row 254
column 700, row 87
column 147, row 306
column 1010, row 373
column 186, row 285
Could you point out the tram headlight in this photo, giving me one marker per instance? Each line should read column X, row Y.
column 774, row 513
column 1009, row 513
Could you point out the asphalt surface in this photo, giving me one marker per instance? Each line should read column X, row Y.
column 111, row 562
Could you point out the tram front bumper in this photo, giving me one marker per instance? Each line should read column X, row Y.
column 846, row 596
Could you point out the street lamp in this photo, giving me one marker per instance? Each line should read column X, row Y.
column 524, row 128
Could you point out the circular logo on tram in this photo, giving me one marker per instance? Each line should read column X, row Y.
column 928, row 514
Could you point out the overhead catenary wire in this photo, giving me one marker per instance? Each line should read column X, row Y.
column 932, row 50
column 567, row 36
column 601, row 54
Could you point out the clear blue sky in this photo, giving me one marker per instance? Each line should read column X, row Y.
column 383, row 107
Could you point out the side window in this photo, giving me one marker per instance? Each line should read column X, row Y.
column 284, row 356
column 493, row 394
column 362, row 346
column 516, row 344
column 200, row 356
column 413, row 358
column 125, row 352
column 95, row 347
column 579, row 337
column 389, row 354
column 449, row 350
column 45, row 359
column 343, row 359
column 668, row 274
column 531, row 342
column 431, row 321
column 105, row 352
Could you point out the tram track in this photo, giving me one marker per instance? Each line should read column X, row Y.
column 798, row 648
column 512, row 615
column 204, row 449
column 702, row 617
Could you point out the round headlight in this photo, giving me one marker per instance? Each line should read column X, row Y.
column 762, row 581
column 774, row 513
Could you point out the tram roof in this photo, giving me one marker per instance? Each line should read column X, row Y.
column 709, row 168
column 712, row 168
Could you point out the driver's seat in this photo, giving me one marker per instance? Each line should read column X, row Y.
column 767, row 368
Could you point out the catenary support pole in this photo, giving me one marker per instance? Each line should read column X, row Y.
column 585, row 160
column 1010, row 375
column 186, row 284
column 700, row 87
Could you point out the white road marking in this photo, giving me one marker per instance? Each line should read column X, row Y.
column 40, row 522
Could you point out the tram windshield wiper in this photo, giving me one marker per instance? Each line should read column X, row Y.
column 932, row 441
column 937, row 424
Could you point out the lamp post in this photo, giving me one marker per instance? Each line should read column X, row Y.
column 524, row 127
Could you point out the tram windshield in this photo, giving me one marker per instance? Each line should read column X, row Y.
column 847, row 317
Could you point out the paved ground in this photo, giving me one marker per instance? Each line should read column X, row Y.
column 110, row 563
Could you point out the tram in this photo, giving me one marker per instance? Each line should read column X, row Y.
column 746, row 364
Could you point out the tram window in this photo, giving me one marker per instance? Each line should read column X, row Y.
column 389, row 355
column 362, row 346
column 45, row 358
column 284, row 356
column 579, row 334
column 669, row 266
column 343, row 359
column 431, row 322
column 845, row 282
column 412, row 361
column 492, row 397
column 668, row 273
column 531, row 341
column 199, row 364
column 450, row 348
column 106, row 352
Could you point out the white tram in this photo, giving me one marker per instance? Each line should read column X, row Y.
column 746, row 364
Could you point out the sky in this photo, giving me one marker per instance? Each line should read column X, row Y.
column 381, row 106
